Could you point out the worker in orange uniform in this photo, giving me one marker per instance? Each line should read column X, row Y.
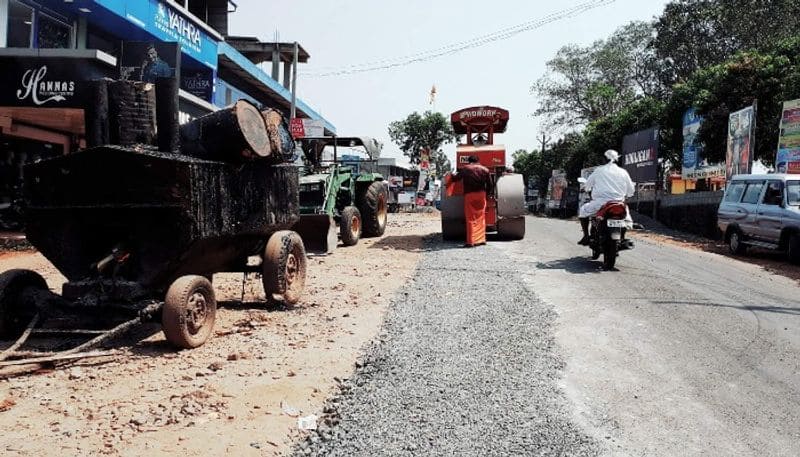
column 477, row 182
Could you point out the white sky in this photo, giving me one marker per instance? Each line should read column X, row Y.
column 352, row 32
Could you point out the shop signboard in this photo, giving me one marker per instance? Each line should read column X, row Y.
column 788, row 158
column 306, row 128
column 640, row 155
column 694, row 164
column 167, row 23
column 739, row 157
column 199, row 83
column 48, row 82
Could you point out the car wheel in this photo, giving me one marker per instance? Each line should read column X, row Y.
column 735, row 243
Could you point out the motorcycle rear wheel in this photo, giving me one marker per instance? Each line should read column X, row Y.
column 609, row 254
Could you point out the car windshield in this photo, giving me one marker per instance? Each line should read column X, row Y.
column 793, row 193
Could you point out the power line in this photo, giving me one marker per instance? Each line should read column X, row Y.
column 453, row 48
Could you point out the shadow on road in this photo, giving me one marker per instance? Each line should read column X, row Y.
column 575, row 265
column 415, row 243
column 763, row 309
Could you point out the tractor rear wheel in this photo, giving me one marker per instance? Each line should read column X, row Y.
column 190, row 310
column 350, row 226
column 373, row 206
column 14, row 315
column 284, row 267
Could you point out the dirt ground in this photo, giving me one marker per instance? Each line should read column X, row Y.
column 243, row 391
column 771, row 261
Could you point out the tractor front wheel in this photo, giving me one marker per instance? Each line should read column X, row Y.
column 374, row 209
column 350, row 226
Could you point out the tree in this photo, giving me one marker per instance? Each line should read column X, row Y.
column 695, row 34
column 585, row 84
column 423, row 131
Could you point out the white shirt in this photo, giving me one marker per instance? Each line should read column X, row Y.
column 610, row 182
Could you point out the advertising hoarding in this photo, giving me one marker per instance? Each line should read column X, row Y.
column 694, row 164
column 739, row 157
column 788, row 158
column 640, row 155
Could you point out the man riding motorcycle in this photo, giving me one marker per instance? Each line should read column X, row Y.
column 607, row 183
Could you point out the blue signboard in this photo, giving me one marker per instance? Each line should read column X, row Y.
column 692, row 150
column 167, row 24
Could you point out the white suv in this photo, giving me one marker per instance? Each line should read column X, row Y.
column 762, row 211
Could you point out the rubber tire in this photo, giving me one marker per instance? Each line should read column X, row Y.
column 735, row 244
column 609, row 254
column 284, row 267
column 350, row 236
column 373, row 205
column 174, row 320
column 794, row 249
column 13, row 320
column 511, row 229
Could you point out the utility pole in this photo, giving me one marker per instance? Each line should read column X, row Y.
column 294, row 81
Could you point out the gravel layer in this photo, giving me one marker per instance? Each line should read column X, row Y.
column 466, row 365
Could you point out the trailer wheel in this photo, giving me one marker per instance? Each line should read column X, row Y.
column 350, row 226
column 374, row 209
column 14, row 316
column 284, row 267
column 190, row 310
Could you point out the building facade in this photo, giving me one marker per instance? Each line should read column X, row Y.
column 48, row 47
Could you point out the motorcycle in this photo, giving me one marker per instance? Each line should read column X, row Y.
column 607, row 233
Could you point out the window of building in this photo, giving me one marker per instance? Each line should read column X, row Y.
column 20, row 25
column 29, row 27
column 52, row 33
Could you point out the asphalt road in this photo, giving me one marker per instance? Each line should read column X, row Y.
column 679, row 352
column 530, row 348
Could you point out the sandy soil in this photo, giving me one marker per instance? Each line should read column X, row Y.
column 771, row 261
column 239, row 394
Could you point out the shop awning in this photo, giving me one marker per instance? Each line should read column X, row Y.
column 232, row 60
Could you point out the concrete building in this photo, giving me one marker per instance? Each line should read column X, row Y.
column 48, row 48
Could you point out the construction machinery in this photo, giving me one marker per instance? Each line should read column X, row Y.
column 138, row 232
column 505, row 209
column 337, row 192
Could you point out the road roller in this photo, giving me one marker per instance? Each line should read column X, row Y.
column 505, row 209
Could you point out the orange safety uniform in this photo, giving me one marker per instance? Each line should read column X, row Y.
column 477, row 182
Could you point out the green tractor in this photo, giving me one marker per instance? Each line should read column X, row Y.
column 336, row 192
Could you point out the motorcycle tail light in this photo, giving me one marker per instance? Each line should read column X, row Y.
column 616, row 212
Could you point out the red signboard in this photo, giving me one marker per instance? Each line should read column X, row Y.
column 297, row 128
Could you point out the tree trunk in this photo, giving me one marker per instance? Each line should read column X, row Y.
column 96, row 114
column 231, row 134
column 167, row 114
column 131, row 111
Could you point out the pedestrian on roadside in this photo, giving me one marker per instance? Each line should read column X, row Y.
column 477, row 183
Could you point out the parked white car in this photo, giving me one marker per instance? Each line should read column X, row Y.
column 762, row 211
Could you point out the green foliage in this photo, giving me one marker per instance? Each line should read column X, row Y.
column 718, row 56
column 419, row 131
column 585, row 84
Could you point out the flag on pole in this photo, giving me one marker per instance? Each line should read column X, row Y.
column 432, row 95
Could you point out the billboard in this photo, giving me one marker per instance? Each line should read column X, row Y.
column 694, row 164
column 640, row 153
column 739, row 157
column 788, row 158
